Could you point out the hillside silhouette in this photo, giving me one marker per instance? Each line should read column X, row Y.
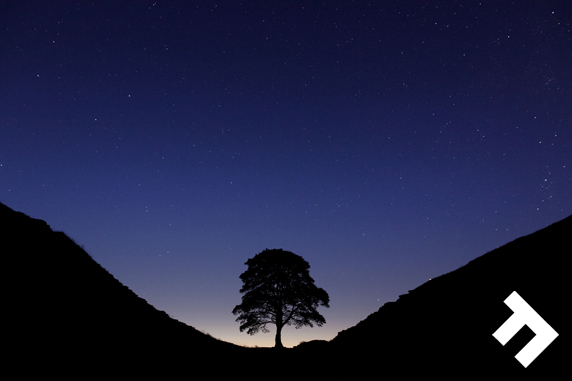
column 66, row 314
column 444, row 327
column 64, row 310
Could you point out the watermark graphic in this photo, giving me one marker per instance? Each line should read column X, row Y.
column 525, row 315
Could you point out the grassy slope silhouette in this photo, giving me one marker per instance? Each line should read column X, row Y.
column 445, row 326
column 63, row 308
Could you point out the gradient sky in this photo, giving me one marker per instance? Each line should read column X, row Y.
column 385, row 142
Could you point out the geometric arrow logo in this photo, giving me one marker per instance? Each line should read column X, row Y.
column 525, row 315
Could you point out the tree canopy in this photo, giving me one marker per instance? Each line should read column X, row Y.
column 277, row 289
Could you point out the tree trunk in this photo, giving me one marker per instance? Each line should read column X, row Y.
column 279, row 325
column 278, row 340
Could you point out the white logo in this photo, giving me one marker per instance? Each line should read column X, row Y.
column 525, row 315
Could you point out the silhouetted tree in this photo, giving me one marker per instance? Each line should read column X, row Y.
column 278, row 289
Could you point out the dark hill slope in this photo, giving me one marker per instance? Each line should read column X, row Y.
column 445, row 326
column 63, row 308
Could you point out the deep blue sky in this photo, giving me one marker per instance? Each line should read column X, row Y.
column 386, row 142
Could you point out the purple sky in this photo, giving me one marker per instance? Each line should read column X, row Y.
column 385, row 142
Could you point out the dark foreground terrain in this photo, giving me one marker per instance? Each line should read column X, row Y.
column 67, row 315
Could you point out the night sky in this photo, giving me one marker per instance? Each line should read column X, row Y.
column 385, row 142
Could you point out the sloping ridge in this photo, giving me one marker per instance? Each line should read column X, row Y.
column 62, row 306
column 63, row 310
column 445, row 326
